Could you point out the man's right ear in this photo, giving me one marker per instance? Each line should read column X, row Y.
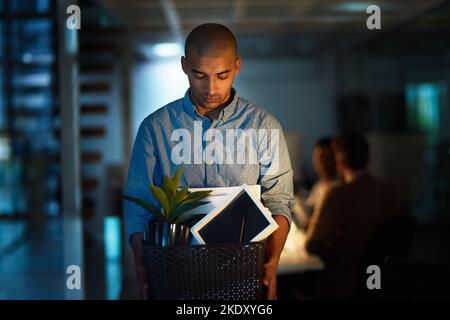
column 184, row 64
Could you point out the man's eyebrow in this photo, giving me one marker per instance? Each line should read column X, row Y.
column 226, row 71
column 222, row 72
column 196, row 71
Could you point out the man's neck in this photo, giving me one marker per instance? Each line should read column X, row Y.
column 325, row 178
column 329, row 180
column 351, row 175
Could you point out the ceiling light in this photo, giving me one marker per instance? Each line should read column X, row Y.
column 167, row 50
column 352, row 6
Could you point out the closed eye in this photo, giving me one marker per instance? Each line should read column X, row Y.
column 198, row 74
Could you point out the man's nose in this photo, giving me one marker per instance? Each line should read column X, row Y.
column 211, row 86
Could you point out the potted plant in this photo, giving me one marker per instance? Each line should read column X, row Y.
column 173, row 219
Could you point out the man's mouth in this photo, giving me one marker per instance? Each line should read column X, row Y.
column 210, row 99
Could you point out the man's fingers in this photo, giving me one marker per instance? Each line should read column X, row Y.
column 144, row 295
column 271, row 287
column 144, row 291
column 267, row 275
column 272, row 292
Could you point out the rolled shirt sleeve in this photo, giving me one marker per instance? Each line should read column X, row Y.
column 276, row 174
column 142, row 172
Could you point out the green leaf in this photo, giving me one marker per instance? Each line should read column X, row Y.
column 174, row 203
column 197, row 195
column 178, row 198
column 160, row 195
column 182, row 213
column 168, row 188
column 147, row 206
column 185, row 218
column 180, row 210
column 177, row 176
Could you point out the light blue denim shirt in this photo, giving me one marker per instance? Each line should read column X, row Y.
column 157, row 152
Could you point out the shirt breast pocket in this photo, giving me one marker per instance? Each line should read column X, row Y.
column 237, row 174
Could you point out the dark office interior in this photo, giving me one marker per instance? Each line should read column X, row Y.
column 71, row 102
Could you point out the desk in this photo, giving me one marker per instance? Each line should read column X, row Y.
column 294, row 258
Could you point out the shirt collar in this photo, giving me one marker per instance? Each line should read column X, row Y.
column 224, row 114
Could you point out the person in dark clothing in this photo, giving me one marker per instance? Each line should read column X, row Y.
column 349, row 217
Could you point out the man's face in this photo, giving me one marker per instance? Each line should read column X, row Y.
column 318, row 158
column 210, row 77
column 341, row 166
column 322, row 162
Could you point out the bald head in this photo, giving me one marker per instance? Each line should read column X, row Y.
column 211, row 63
column 210, row 39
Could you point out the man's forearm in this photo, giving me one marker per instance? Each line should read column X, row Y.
column 136, row 243
column 275, row 243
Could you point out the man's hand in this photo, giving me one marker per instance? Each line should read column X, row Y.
column 136, row 242
column 270, row 280
column 143, row 285
column 275, row 244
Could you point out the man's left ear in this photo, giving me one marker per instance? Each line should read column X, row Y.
column 238, row 64
column 184, row 64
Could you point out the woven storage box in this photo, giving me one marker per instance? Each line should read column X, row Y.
column 205, row 272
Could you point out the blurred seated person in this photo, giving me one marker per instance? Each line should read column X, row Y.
column 324, row 165
column 348, row 218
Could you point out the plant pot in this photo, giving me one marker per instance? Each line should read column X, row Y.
column 216, row 271
column 163, row 234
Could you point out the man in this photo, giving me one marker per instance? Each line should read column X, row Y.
column 349, row 217
column 325, row 167
column 211, row 63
